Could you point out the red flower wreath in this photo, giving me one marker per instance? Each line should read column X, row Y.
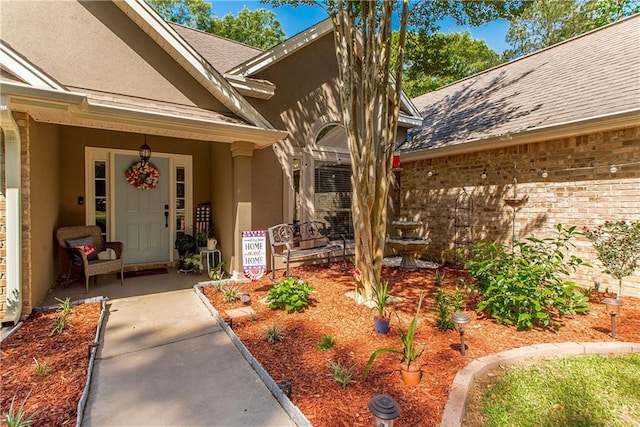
column 142, row 175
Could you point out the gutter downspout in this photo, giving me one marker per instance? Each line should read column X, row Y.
column 12, row 167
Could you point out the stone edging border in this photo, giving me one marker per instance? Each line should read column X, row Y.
column 454, row 410
column 292, row 410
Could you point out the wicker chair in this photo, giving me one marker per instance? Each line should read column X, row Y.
column 95, row 267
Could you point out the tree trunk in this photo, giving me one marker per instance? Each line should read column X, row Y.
column 370, row 101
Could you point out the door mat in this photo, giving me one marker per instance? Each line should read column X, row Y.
column 146, row 272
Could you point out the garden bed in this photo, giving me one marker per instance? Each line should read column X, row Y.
column 324, row 402
column 53, row 395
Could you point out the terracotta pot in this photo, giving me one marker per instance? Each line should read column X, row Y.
column 411, row 376
column 381, row 325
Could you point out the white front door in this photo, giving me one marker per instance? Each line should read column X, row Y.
column 142, row 216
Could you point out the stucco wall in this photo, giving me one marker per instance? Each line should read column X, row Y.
column 579, row 190
column 94, row 45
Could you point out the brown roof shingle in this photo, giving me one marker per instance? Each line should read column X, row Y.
column 592, row 75
column 223, row 54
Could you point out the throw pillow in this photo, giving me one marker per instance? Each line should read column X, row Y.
column 88, row 247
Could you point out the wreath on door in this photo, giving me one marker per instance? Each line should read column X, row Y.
column 142, row 175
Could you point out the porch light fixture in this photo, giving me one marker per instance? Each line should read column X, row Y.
column 145, row 151
column 544, row 173
column 384, row 410
column 613, row 169
column 460, row 319
column 483, row 175
column 613, row 307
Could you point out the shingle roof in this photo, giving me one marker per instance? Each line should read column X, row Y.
column 220, row 52
column 589, row 76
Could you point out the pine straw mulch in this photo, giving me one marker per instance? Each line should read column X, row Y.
column 52, row 397
column 325, row 403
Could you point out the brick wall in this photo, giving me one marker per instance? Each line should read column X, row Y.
column 578, row 190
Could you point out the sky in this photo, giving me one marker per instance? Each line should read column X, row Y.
column 295, row 20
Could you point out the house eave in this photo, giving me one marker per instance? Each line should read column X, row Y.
column 543, row 133
column 260, row 89
column 76, row 109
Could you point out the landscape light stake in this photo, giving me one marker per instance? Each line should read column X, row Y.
column 384, row 410
column 461, row 319
column 613, row 307
column 285, row 386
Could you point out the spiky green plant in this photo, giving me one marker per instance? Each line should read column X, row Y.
column 325, row 343
column 59, row 325
column 64, row 306
column 16, row 417
column 231, row 294
column 41, row 368
column 274, row 334
column 341, row 374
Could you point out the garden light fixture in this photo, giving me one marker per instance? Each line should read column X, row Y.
column 483, row 175
column 613, row 169
column 544, row 173
column 384, row 410
column 613, row 307
column 460, row 319
column 145, row 151
column 285, row 386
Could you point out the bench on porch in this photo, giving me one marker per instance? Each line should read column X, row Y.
column 304, row 241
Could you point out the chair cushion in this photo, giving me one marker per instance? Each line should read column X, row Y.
column 88, row 247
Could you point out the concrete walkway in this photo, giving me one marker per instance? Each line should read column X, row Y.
column 165, row 361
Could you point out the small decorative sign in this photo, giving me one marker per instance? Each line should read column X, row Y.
column 254, row 254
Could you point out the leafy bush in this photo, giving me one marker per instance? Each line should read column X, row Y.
column 446, row 305
column 289, row 294
column 525, row 286
column 618, row 247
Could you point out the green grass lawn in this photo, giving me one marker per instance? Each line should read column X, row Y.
column 577, row 391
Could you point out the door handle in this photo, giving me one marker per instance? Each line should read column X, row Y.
column 166, row 216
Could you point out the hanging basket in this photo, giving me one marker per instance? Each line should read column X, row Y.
column 142, row 175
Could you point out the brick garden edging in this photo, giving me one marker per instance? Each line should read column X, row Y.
column 454, row 410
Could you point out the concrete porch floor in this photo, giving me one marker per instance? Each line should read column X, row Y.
column 109, row 286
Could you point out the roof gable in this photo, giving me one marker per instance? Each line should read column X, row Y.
column 591, row 76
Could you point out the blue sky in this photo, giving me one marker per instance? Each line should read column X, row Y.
column 294, row 20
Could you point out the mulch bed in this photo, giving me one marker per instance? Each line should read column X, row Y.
column 325, row 403
column 53, row 397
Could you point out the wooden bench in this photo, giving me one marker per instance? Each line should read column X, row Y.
column 302, row 241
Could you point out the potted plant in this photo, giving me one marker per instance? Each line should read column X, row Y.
column 192, row 261
column 212, row 242
column 411, row 374
column 201, row 239
column 185, row 243
column 381, row 321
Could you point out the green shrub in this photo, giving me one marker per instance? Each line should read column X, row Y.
column 446, row 305
column 325, row 343
column 526, row 286
column 290, row 294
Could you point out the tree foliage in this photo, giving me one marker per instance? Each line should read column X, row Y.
column 191, row 13
column 258, row 28
column 436, row 60
column 547, row 22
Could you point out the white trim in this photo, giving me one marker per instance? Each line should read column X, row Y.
column 542, row 133
column 283, row 50
column 260, row 89
column 169, row 40
column 25, row 70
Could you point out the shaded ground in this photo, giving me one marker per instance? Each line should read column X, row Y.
column 52, row 397
column 325, row 403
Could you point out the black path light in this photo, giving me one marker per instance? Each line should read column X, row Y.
column 613, row 307
column 384, row 410
column 461, row 319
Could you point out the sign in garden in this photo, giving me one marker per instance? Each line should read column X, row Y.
column 254, row 254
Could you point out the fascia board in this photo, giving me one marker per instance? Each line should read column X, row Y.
column 542, row 133
column 25, row 70
column 59, row 98
column 228, row 132
column 149, row 21
column 261, row 89
column 283, row 50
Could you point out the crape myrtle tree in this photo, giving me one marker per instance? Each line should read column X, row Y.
column 370, row 94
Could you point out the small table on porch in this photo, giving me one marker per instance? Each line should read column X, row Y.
column 211, row 255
